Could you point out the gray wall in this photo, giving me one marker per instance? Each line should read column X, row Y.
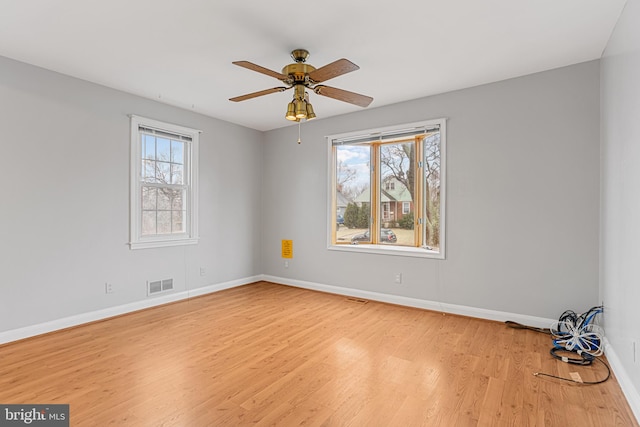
column 620, row 224
column 522, row 198
column 64, row 216
column 522, row 214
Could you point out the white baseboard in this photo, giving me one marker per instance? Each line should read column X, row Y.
column 79, row 319
column 626, row 383
column 481, row 313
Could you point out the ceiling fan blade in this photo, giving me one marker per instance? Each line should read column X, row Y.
column 258, row 68
column 343, row 95
column 259, row 93
column 335, row 69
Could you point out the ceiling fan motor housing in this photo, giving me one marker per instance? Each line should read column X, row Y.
column 298, row 71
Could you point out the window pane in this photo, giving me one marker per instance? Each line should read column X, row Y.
column 163, row 149
column 178, row 200
column 177, row 174
column 148, row 223
column 149, row 171
column 148, row 147
column 353, row 193
column 149, row 195
column 164, row 199
column 164, row 222
column 177, row 152
column 177, row 222
column 163, row 172
column 432, row 190
column 397, row 181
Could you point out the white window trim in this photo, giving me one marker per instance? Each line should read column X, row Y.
column 407, row 251
column 190, row 237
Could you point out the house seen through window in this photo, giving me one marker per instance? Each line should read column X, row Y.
column 387, row 190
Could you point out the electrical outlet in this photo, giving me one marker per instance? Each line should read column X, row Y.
column 398, row 278
column 108, row 288
column 286, row 264
column 203, row 271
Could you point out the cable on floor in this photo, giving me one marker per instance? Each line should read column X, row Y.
column 576, row 335
column 517, row 325
column 585, row 360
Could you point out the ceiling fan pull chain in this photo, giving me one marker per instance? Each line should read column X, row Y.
column 299, row 124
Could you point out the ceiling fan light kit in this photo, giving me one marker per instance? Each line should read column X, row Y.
column 300, row 77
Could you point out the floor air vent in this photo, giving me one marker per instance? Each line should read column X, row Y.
column 159, row 286
column 357, row 300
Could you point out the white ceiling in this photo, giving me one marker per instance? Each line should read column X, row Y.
column 180, row 51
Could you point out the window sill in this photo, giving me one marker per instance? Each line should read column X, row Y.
column 146, row 244
column 388, row 250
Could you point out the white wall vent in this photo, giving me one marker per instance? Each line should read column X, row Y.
column 159, row 286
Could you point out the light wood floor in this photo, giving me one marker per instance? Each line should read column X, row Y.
column 269, row 354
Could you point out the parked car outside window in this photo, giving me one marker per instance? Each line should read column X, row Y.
column 386, row 236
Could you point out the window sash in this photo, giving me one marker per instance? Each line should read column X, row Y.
column 168, row 208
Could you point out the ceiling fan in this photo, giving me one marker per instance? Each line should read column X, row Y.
column 301, row 76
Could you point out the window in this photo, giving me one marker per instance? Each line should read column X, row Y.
column 389, row 185
column 164, row 190
column 386, row 211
